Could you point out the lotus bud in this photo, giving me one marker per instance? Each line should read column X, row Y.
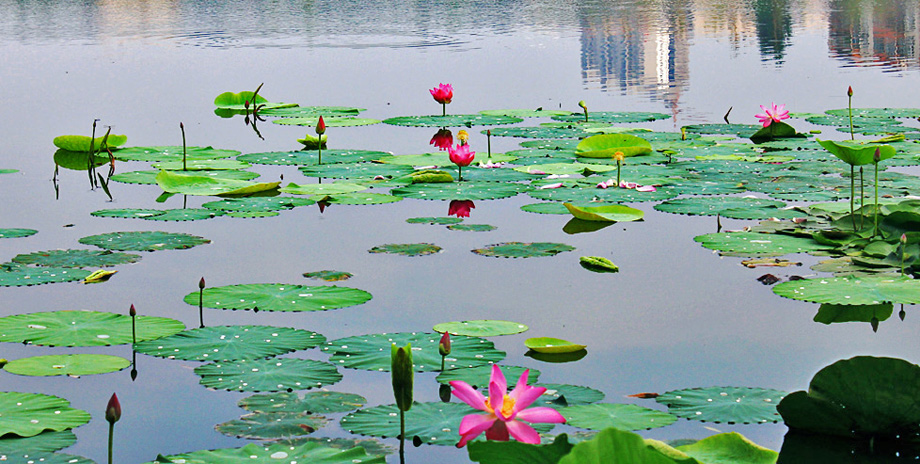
column 201, row 284
column 877, row 156
column 113, row 410
column 904, row 239
column 582, row 105
column 320, row 126
column 132, row 311
column 403, row 375
column 444, row 344
column 850, row 91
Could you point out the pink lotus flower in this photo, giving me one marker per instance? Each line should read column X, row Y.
column 443, row 139
column 504, row 411
column 461, row 155
column 443, row 93
column 459, row 208
column 774, row 114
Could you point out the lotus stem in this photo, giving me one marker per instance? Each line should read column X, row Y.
column 489, row 142
column 850, row 110
column 459, row 173
column 862, row 196
column 443, row 109
column 89, row 159
column 111, row 437
column 619, row 165
column 402, row 436
column 875, row 227
column 852, row 195
column 442, row 363
column 182, row 128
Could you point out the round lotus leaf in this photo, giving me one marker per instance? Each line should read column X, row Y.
column 758, row 244
column 47, row 442
column 323, row 189
column 599, row 416
column 317, row 402
column 712, row 206
column 479, row 376
column 432, row 423
column 252, row 214
column 258, row 204
column 83, row 328
column 362, row 198
column 859, row 122
column 171, row 153
column 128, row 213
column 440, row 221
column 77, row 161
column 551, row 144
column 16, row 233
column 185, row 214
column 472, row 227
column 227, row 343
column 452, row 120
column 761, row 213
column 312, row 111
column 407, row 249
column 17, row 275
column 561, row 395
column 852, row 290
column 331, row 122
column 304, row 452
column 741, row 130
column 356, row 170
column 612, row 117
column 372, row 352
column 552, row 345
column 76, row 258
column 272, row 425
column 372, row 446
column 732, row 405
column 143, row 241
column 67, row 364
column 150, row 177
column 522, row 113
column 84, row 144
column 279, row 297
column 877, row 112
column 541, row 132
column 591, row 195
column 481, row 328
column 437, row 159
column 328, row 275
column 188, row 183
column 202, row 165
column 28, row 414
column 474, row 173
column 267, row 375
column 309, row 158
column 610, row 213
column 523, row 250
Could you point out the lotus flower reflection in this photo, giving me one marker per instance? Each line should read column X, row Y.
column 461, row 209
column 442, row 139
column 773, row 114
column 503, row 411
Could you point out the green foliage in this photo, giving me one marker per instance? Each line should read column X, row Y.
column 67, row 364
column 308, row 451
column 227, row 343
column 372, row 352
column 28, row 414
column 143, row 241
column 267, row 375
column 612, row 213
column 316, row 402
column 186, row 184
column 271, row 425
column 82, row 143
column 481, row 328
column 606, row 145
column 599, row 416
column 407, row 249
column 732, row 405
column 279, row 297
column 83, row 328
column 523, row 250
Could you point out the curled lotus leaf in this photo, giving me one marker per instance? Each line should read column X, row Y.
column 28, row 414
column 83, row 143
column 83, row 328
column 598, row 264
column 271, row 425
column 328, row 275
column 227, row 343
column 76, row 258
column 731, row 405
column 552, row 345
column 599, row 416
column 372, row 352
column 853, row 290
column 267, row 375
column 481, row 328
column 16, row 233
column 308, row 451
column 314, row 402
column 66, row 364
column 143, row 241
column 279, row 297
column 407, row 249
column 610, row 213
column 174, row 182
column 731, row 447
column 523, row 250
column 237, row 101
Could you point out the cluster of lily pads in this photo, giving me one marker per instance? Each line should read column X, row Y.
column 583, row 164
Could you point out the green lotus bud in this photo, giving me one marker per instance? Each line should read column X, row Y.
column 3, row 362
column 444, row 345
column 403, row 374
column 582, row 104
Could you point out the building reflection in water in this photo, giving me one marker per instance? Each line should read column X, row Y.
column 875, row 33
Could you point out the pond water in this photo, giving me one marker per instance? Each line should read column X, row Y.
column 675, row 316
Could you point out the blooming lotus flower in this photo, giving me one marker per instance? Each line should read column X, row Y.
column 443, row 139
column 443, row 93
column 503, row 411
column 773, row 114
column 461, row 155
column 490, row 165
column 460, row 208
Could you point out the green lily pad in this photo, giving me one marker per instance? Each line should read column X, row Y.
column 323, row 189
column 552, row 345
column 741, row 130
column 127, row 213
column 330, row 122
column 541, row 132
column 17, row 233
column 83, row 328
column 713, row 206
column 513, row 452
column 613, row 117
column 732, row 405
column 522, row 113
column 306, row 452
column 271, row 425
column 856, row 153
column 606, row 145
column 171, row 153
column 46, row 442
column 364, row 170
column 328, row 275
column 852, row 290
column 571, row 356
column 279, row 297
column 452, row 120
column 877, row 112
column 237, row 101
column 311, row 157
column 472, row 227
column 480, row 376
column 372, row 352
column 28, row 414
column 67, row 364
column 46, row 458
column 598, row 264
column 267, row 375
column 407, row 249
column 174, row 182
column 312, row 111
column 201, row 165
column 729, row 448
column 440, row 221
column 252, row 214
column 611, row 213
column 76, row 258
column 316, row 402
column 17, row 275
column 228, row 343
column 143, row 241
column 185, row 214
column 756, row 243
column 559, row 395
column 599, row 416
column 614, row 446
column 523, row 250
column 481, row 328
column 258, row 204
column 460, row 191
column 84, row 144
column 361, row 198
column 549, row 207
column 150, row 177
column 433, row 423
column 438, row 159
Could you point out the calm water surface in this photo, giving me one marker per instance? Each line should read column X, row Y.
column 676, row 316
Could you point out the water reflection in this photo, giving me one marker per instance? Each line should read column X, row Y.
column 875, row 33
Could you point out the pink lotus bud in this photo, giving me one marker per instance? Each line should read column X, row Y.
column 132, row 311
column 444, row 344
column 113, row 410
column 320, row 126
column 201, row 284
column 850, row 91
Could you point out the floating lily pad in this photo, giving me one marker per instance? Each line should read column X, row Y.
column 356, row 170
column 712, row 206
column 28, row 414
column 328, row 276
column 599, row 416
column 185, row 214
column 67, row 364
column 522, row 113
column 227, row 343
column 611, row 213
column 433, row 423
column 272, row 425
column 279, row 297
column 361, row 198
column 877, row 112
column 85, row 144
column 237, row 101
column 150, row 177
column 552, row 345
column 523, row 250
column 171, row 153
column 17, row 275
column 311, row 157
column 16, row 233
column 852, row 290
column 613, row 117
column 372, row 446
column 598, row 264
column 316, row 402
column 267, row 375
column 607, row 145
column 741, row 130
column 174, row 182
column 312, row 111
column 757, row 243
column 481, row 328
column 128, row 213
column 331, row 122
column 729, row 448
column 47, row 442
column 438, row 159
column 252, row 214
column 323, row 189
column 472, row 227
column 372, row 352
column 460, row 191
column 76, row 258
column 201, row 165
column 408, row 249
column 306, row 452
column 83, row 328
column 440, row 221
column 451, row 120
column 560, row 395
column 732, row 405
column 541, row 132
column 143, row 241
column 258, row 204
column 480, row 376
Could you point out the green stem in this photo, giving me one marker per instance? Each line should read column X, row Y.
column 850, row 108
column 852, row 194
column 182, row 127
column 443, row 109
column 201, row 307
column 459, row 173
column 489, row 144
column 133, row 331
column 875, row 228
column 618, row 173
column 111, row 436
column 320, row 149
column 442, row 363
column 862, row 196
column 402, row 436
column 586, row 115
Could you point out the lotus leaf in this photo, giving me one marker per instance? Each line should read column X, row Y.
column 172, row 153
column 522, row 113
column 551, row 144
column 474, row 173
column 8, row 171
column 460, row 191
column 547, row 207
column 150, row 177
column 306, row 452
column 724, row 404
column 279, row 297
column 82, row 143
column 741, row 130
column 185, row 214
column 853, row 290
column 372, row 446
column 258, row 204
column 408, row 249
column 228, row 343
column 513, row 452
column 267, row 375
column 16, row 233
column 713, row 206
column 76, row 258
column 317, row 402
column 472, row 227
column 598, row 264
column 312, row 111
column 834, row 313
column 362, row 170
column 437, row 159
column 323, row 189
column 599, row 416
column 331, row 122
column 143, row 241
column 596, row 196
column 77, row 161
column 441, row 221
column 859, row 122
column 372, row 352
column 361, row 198
column 17, row 275
column 128, row 213
column 46, row 458
column 729, row 448
column 479, row 376
column 452, row 120
column 552, row 345
column 271, row 425
column 28, row 414
column 612, row 117
column 47, row 442
column 481, row 328
column 237, row 101
column 173, row 182
column 753, row 243
column 562, row 169
column 606, row 145
column 83, row 328
column 309, row 158
column 855, row 153
column 328, row 275
column 612, row 213
column 523, row 250
column 877, row 112
column 252, row 214
column 541, row 132
column 67, row 364
column 433, row 423
column 613, row 446
column 202, row 165
column 561, row 395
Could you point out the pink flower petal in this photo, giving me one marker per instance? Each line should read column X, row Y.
column 541, row 415
column 474, row 424
column 602, row 185
column 523, row 432
column 646, row 188
column 497, row 396
column 464, row 392
column 526, row 397
column 499, row 378
column 551, row 186
column 498, row 432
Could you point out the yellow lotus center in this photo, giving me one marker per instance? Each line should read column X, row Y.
column 463, row 135
column 507, row 406
column 618, row 156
